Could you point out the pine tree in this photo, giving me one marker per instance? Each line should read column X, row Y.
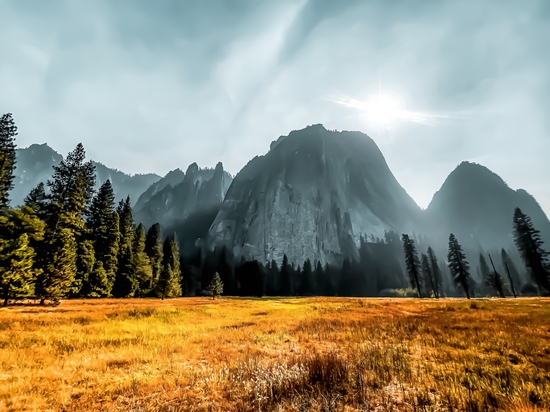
column 215, row 288
column 413, row 264
column 458, row 265
column 169, row 284
column 142, row 264
column 104, row 227
column 427, row 273
column 153, row 248
column 71, row 190
column 17, row 276
column 126, row 284
column 436, row 271
column 529, row 245
column 8, row 131
column 61, row 267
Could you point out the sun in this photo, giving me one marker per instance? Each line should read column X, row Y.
column 383, row 109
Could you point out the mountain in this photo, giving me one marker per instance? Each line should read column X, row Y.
column 312, row 196
column 179, row 195
column 477, row 206
column 34, row 165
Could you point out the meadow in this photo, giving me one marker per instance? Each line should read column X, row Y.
column 276, row 354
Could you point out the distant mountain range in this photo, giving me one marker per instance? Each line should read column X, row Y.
column 34, row 165
column 314, row 195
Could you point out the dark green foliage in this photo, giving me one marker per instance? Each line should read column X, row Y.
column 60, row 270
column 85, row 260
column 8, row 131
column 286, row 280
column 103, row 223
column 126, row 284
column 436, row 271
column 458, row 265
column 99, row 282
column 142, row 265
column 20, row 229
column 529, row 245
column 308, row 282
column 413, row 264
column 215, row 288
column 169, row 284
column 17, row 276
column 37, row 201
column 71, row 190
column 153, row 248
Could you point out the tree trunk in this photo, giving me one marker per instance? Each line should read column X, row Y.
column 5, row 302
column 511, row 281
column 466, row 289
column 42, row 302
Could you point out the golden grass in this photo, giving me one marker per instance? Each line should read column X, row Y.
column 318, row 354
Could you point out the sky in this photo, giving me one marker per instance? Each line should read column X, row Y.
column 153, row 86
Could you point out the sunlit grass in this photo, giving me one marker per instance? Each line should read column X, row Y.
column 276, row 354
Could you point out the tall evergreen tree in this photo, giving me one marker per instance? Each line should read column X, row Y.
column 126, row 284
column 436, row 271
column 153, row 248
column 104, row 225
column 169, row 284
column 8, row 131
column 413, row 264
column 458, row 265
column 142, row 264
column 427, row 273
column 99, row 282
column 530, row 247
column 71, row 190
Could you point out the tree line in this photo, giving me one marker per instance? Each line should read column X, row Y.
column 67, row 241
column 425, row 273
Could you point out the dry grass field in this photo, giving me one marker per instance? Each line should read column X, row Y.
column 305, row 354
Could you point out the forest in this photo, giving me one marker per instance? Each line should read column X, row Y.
column 69, row 241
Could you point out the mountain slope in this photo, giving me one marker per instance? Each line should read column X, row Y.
column 477, row 206
column 179, row 195
column 312, row 196
column 34, row 165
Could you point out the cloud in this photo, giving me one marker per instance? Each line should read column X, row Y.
column 151, row 86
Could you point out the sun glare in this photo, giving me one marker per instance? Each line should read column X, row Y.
column 383, row 109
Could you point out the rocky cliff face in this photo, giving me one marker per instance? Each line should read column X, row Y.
column 179, row 195
column 312, row 196
column 34, row 165
column 478, row 206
